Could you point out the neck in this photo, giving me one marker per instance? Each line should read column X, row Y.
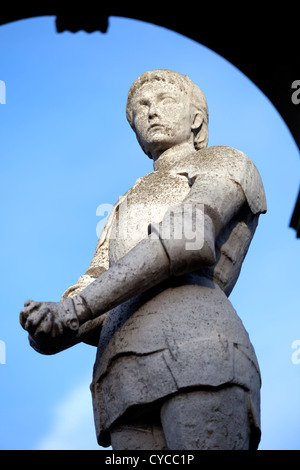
column 172, row 156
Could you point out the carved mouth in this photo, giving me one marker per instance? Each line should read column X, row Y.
column 156, row 126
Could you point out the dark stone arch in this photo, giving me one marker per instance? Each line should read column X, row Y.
column 261, row 42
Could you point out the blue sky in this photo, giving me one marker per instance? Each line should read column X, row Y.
column 66, row 148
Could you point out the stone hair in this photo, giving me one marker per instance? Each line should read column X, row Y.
column 186, row 85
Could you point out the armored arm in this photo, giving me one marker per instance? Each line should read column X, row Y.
column 182, row 242
column 223, row 180
column 55, row 326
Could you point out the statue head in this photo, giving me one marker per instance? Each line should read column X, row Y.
column 165, row 109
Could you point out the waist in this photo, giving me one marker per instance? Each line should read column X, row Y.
column 188, row 309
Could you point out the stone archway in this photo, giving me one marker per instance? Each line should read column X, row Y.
column 260, row 42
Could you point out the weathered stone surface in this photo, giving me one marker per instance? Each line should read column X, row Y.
column 171, row 348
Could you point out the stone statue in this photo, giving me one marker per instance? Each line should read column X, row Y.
column 175, row 368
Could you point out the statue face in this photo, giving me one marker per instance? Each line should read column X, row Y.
column 161, row 116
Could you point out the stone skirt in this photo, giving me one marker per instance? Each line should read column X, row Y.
column 183, row 334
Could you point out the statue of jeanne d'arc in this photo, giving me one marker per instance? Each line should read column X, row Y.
column 175, row 368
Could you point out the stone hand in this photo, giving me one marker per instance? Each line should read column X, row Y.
column 50, row 319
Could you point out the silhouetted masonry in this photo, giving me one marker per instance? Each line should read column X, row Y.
column 262, row 43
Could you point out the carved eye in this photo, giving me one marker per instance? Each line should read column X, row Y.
column 167, row 100
column 143, row 103
column 141, row 106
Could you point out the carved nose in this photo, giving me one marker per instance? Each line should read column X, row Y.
column 152, row 115
column 152, row 112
